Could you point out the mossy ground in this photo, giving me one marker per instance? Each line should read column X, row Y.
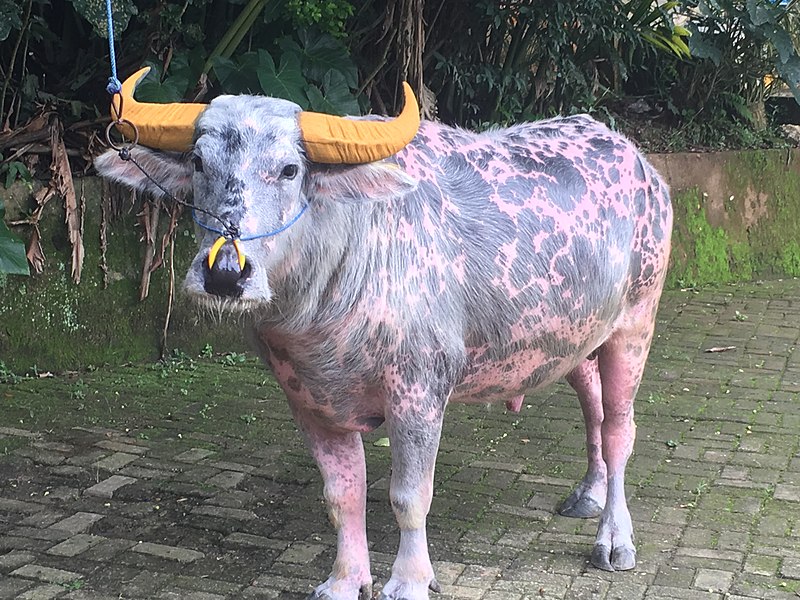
column 202, row 392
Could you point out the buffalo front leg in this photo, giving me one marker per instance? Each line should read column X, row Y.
column 414, row 436
column 340, row 457
column 589, row 496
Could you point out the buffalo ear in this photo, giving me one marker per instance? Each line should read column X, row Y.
column 172, row 170
column 358, row 183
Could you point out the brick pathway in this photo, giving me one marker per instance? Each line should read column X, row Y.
column 714, row 488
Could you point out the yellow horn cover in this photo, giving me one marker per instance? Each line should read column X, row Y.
column 336, row 140
column 162, row 126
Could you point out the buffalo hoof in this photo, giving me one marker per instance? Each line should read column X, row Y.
column 580, row 506
column 618, row 559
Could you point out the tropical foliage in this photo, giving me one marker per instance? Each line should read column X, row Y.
column 12, row 250
column 700, row 68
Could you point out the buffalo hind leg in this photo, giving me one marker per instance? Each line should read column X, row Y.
column 621, row 361
column 589, row 496
column 414, row 437
column 340, row 458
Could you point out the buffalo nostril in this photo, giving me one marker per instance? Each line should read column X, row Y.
column 226, row 270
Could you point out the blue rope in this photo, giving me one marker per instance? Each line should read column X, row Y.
column 114, row 86
column 229, row 234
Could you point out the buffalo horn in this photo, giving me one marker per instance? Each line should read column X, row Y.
column 326, row 138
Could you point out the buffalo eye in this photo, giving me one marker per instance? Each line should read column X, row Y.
column 198, row 164
column 289, row 172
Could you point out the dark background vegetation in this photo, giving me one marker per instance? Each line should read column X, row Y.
column 672, row 75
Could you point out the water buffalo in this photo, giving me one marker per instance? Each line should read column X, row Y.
column 389, row 267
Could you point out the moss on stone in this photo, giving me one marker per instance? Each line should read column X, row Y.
column 50, row 323
column 705, row 248
column 768, row 175
column 741, row 261
column 790, row 258
column 759, row 224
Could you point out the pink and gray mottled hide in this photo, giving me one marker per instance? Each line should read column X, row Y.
column 466, row 268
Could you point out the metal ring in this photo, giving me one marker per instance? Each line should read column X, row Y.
column 123, row 145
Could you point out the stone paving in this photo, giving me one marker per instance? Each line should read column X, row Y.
column 714, row 488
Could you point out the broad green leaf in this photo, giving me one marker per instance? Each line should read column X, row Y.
column 381, row 442
column 658, row 42
column 289, row 46
column 782, row 42
column 702, row 46
column 224, row 69
column 94, row 11
column 237, row 77
column 335, row 99
column 10, row 11
column 760, row 13
column 158, row 92
column 172, row 88
column 152, row 89
column 790, row 73
column 12, row 255
column 322, row 53
column 12, row 250
column 285, row 82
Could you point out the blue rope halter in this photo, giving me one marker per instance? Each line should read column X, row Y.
column 232, row 232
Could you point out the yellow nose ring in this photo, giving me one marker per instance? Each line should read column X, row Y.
column 219, row 243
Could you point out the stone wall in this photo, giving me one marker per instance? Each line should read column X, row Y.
column 736, row 218
column 736, row 215
column 48, row 322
